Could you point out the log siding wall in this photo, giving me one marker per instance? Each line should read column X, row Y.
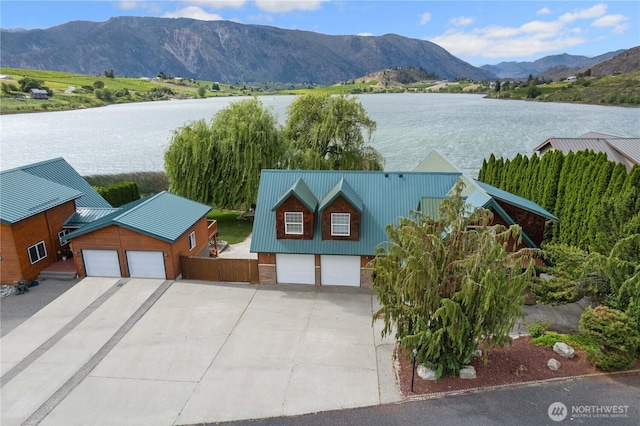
column 18, row 237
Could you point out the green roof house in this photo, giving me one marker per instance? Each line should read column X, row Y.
column 144, row 238
column 35, row 201
column 48, row 212
column 508, row 209
column 322, row 227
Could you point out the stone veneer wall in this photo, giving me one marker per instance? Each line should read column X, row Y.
column 267, row 274
column 366, row 277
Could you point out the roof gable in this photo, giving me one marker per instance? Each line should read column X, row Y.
column 163, row 216
column 343, row 189
column 23, row 195
column 302, row 192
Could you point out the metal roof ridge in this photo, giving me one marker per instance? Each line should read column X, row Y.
column 39, row 163
column 138, row 205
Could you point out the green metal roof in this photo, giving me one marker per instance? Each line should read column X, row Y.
column 302, row 193
column 385, row 197
column 86, row 215
column 59, row 171
column 512, row 199
column 163, row 216
column 23, row 195
column 343, row 189
column 480, row 198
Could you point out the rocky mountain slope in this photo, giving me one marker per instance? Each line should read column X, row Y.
column 539, row 66
column 221, row 51
column 626, row 62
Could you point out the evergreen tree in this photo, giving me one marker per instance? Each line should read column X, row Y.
column 445, row 290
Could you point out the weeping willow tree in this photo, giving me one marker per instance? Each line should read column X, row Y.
column 448, row 285
column 219, row 163
column 328, row 133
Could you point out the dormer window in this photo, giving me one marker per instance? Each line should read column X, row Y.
column 340, row 224
column 293, row 223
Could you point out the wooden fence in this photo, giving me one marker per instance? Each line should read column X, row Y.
column 217, row 269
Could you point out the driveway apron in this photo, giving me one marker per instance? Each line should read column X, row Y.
column 190, row 352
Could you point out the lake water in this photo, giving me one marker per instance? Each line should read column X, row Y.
column 464, row 128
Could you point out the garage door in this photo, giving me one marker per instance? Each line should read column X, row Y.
column 101, row 263
column 340, row 270
column 146, row 264
column 295, row 268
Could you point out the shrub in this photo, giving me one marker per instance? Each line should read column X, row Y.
column 548, row 339
column 617, row 334
column 120, row 193
column 537, row 328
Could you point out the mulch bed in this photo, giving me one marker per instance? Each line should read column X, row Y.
column 522, row 362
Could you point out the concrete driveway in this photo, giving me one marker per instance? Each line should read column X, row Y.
column 141, row 351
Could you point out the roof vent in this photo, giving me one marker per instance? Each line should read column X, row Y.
column 399, row 175
column 386, row 175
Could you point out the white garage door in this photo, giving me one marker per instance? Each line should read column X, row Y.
column 295, row 268
column 146, row 264
column 101, row 263
column 340, row 270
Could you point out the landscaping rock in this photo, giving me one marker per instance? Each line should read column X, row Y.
column 426, row 373
column 468, row 372
column 553, row 364
column 477, row 352
column 563, row 350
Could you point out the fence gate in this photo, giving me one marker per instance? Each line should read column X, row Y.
column 217, row 269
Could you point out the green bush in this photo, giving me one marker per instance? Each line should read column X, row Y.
column 617, row 334
column 537, row 328
column 548, row 339
column 120, row 193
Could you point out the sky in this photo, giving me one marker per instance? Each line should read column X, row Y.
column 478, row 32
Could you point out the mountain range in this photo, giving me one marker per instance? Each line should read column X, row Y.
column 221, row 51
column 231, row 52
column 524, row 69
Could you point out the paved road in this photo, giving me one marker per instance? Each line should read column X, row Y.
column 524, row 405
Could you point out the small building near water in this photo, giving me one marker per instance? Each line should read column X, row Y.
column 38, row 94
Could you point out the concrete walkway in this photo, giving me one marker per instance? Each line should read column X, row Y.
column 143, row 351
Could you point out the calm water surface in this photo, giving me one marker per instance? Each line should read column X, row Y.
column 465, row 128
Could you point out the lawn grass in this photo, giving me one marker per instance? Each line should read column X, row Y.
column 230, row 228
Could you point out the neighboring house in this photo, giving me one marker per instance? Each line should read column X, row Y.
column 48, row 211
column 622, row 150
column 35, row 201
column 323, row 227
column 508, row 209
column 144, row 238
column 38, row 94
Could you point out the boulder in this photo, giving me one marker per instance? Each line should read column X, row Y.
column 553, row 364
column 426, row 373
column 563, row 350
column 468, row 372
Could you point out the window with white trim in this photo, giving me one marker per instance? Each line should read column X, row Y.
column 192, row 240
column 293, row 223
column 61, row 236
column 37, row 252
column 340, row 224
